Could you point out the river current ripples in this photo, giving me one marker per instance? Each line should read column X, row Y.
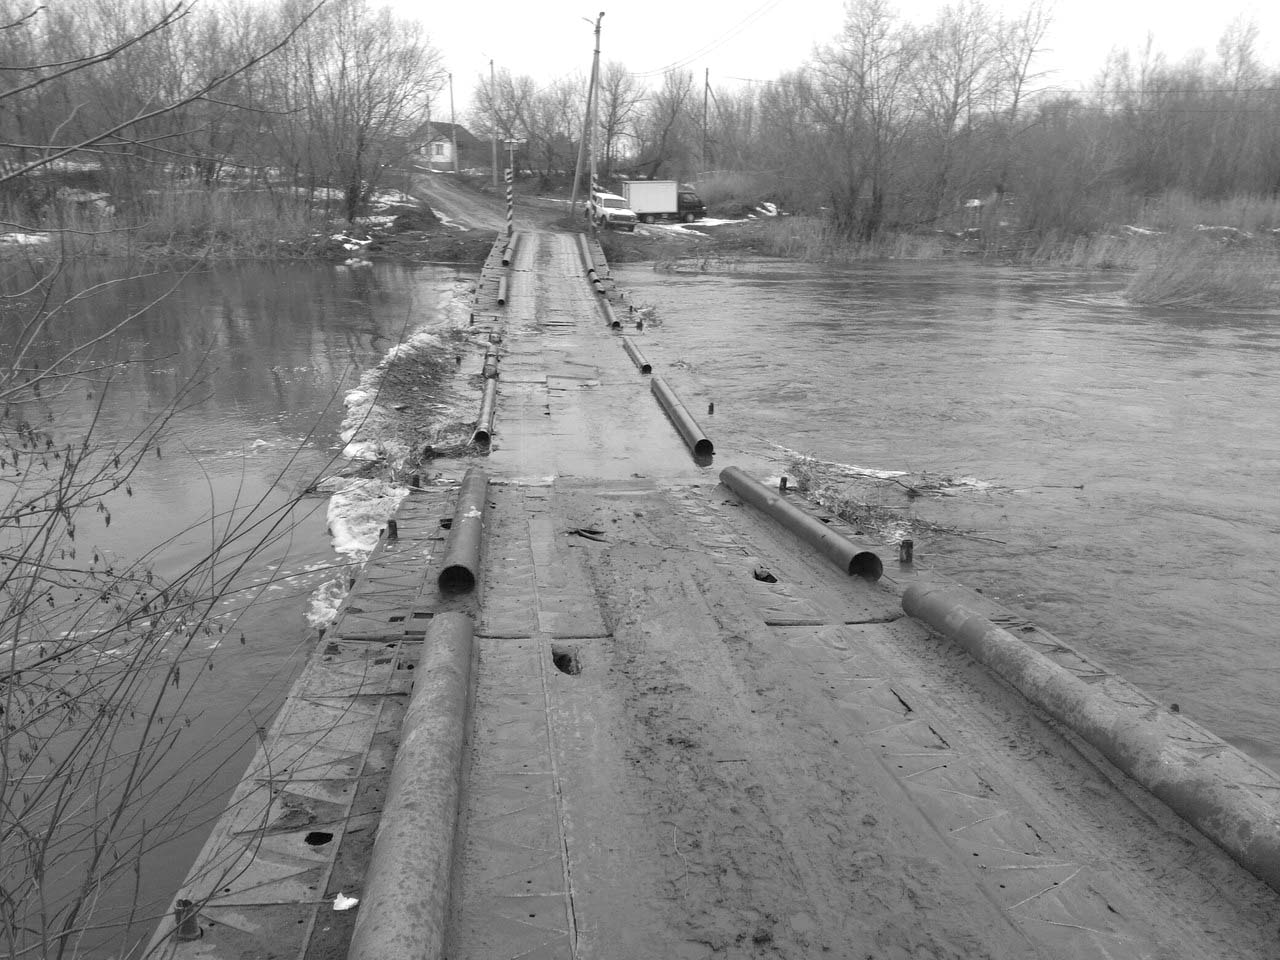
column 1130, row 457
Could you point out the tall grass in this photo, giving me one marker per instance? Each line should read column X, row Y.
column 814, row 239
column 178, row 221
column 1099, row 251
column 1193, row 271
column 1177, row 210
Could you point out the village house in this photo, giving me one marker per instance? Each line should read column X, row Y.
column 434, row 143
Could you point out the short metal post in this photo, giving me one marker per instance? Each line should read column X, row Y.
column 185, row 916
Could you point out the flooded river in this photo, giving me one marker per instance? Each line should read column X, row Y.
column 258, row 361
column 1130, row 465
column 1127, row 465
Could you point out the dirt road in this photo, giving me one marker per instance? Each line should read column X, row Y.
column 458, row 204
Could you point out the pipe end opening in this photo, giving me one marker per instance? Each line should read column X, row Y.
column 456, row 579
column 704, row 448
column 480, row 438
column 615, row 325
column 646, row 368
column 866, row 565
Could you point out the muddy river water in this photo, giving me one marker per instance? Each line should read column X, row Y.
column 1129, row 456
column 1121, row 464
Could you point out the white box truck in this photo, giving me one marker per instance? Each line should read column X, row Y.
column 662, row 199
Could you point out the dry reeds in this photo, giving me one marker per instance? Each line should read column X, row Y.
column 1198, row 272
column 177, row 221
column 815, row 240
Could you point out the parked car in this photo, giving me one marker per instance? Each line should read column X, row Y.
column 610, row 210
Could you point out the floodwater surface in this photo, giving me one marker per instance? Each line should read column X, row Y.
column 1128, row 457
column 250, row 364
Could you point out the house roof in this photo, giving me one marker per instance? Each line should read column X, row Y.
column 434, row 130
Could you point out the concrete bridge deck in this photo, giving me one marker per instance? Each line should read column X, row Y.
column 667, row 756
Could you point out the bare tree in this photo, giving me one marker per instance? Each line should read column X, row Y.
column 955, row 71
column 552, row 115
column 620, row 96
column 667, row 130
column 860, row 98
column 370, row 79
column 502, row 105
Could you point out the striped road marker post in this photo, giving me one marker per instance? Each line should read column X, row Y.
column 511, row 201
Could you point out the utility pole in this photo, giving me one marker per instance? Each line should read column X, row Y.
column 493, row 136
column 595, row 100
column 589, row 125
column 453, row 126
column 706, row 88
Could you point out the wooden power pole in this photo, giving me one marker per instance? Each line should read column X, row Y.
column 589, row 126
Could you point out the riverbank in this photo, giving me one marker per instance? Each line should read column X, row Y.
column 224, row 223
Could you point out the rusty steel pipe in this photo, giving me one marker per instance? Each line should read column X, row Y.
column 609, row 316
column 509, row 251
column 466, row 534
column 484, row 422
column 853, row 559
column 502, row 291
column 1210, row 793
column 491, row 363
column 404, row 908
column 636, row 356
column 588, row 261
column 688, row 427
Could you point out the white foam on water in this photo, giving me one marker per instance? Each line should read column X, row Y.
column 359, row 507
column 358, row 512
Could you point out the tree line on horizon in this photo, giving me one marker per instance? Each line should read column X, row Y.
column 892, row 125
column 150, row 94
column 889, row 125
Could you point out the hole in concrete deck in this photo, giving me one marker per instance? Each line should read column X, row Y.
column 566, row 660
column 763, row 574
column 317, row 838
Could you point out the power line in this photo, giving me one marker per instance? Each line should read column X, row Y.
column 714, row 44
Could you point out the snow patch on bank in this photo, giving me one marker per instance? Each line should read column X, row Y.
column 23, row 239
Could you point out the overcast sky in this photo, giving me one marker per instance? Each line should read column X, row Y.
column 759, row 39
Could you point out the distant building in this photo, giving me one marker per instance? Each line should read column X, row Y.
column 433, row 143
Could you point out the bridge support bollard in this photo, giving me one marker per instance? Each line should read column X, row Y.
column 484, row 422
column 847, row 555
column 509, row 251
column 688, row 427
column 462, row 553
column 643, row 365
column 1210, row 790
column 404, row 909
